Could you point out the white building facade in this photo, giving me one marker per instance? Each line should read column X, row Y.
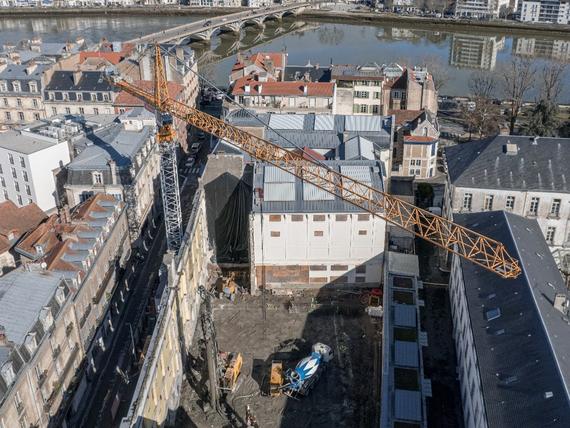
column 480, row 8
column 28, row 162
column 546, row 11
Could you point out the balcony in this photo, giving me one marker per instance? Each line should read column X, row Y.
column 84, row 316
column 42, row 378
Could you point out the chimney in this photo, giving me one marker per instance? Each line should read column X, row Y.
column 305, row 90
column 113, row 167
column 510, row 149
column 535, row 141
column 64, row 215
column 76, row 76
column 3, row 337
column 31, row 68
column 561, row 303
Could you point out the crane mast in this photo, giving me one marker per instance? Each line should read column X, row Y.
column 468, row 244
column 166, row 138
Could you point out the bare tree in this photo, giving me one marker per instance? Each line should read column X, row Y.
column 552, row 80
column 482, row 119
column 517, row 78
column 482, row 84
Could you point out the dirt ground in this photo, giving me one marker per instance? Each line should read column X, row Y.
column 346, row 395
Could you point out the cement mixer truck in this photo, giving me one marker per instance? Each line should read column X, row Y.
column 301, row 379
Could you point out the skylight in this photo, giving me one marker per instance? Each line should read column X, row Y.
column 493, row 314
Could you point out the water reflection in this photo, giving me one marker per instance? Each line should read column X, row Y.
column 475, row 52
column 558, row 50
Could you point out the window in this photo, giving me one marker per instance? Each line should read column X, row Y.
column 488, row 202
column 5, row 102
column 81, row 110
column 467, row 200
column 317, row 268
column 361, row 94
column 433, row 149
column 396, row 95
column 84, row 196
column 17, row 186
column 2, row 181
column 53, row 111
column 20, row 202
column 8, row 115
column 14, row 174
column 363, row 217
column 21, row 115
column 30, row 201
column 363, row 108
column 19, row 102
column 79, row 96
column 22, row 162
column 3, row 87
column 1, row 172
column 95, row 110
column 297, row 217
column 105, row 97
column 35, row 103
column 550, row 232
column 274, row 218
column 16, row 86
column 363, row 232
column 339, row 267
column 25, row 175
column 555, row 208
column 28, row 190
column 67, row 110
column 510, row 204
column 275, row 234
column 98, row 178
column 36, row 116
column 376, row 95
column 18, row 401
column 33, row 86
column 65, row 96
column 341, row 217
column 533, row 210
column 361, row 269
column 375, row 109
column 416, row 162
column 319, row 217
column 6, row 195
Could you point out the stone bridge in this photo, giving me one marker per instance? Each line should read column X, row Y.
column 233, row 23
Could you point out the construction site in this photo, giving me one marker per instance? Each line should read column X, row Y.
column 293, row 295
column 347, row 393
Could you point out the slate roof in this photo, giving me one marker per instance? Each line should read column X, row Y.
column 17, row 72
column 296, row 72
column 541, row 166
column 352, row 72
column 524, row 353
column 25, row 143
column 91, row 81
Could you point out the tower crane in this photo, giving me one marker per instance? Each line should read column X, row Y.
column 468, row 244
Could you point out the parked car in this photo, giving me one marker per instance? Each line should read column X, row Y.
column 195, row 148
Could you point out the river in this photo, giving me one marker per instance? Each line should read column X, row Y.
column 457, row 54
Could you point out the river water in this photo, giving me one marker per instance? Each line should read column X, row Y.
column 456, row 54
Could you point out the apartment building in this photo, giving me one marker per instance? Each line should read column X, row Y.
column 374, row 89
column 415, row 144
column 545, row 11
column 532, row 47
column 39, row 346
column 122, row 160
column 511, row 334
column 15, row 222
column 157, row 394
column 21, row 92
column 521, row 175
column 480, row 8
column 79, row 92
column 29, row 160
column 304, row 237
column 472, row 51
column 215, row 3
column 404, row 387
column 90, row 246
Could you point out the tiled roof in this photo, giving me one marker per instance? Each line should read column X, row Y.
column 113, row 57
column 314, row 89
column 18, row 221
column 262, row 57
column 419, row 139
column 403, row 116
column 124, row 99
column 539, row 164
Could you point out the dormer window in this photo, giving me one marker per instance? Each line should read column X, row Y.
column 93, row 96
column 46, row 318
column 79, row 96
column 39, row 250
column 51, row 96
column 33, row 87
column 7, row 372
column 65, row 96
column 16, row 86
column 3, row 87
column 105, row 97
column 31, row 343
column 60, row 295
column 97, row 178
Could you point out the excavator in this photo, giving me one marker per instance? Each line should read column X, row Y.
column 468, row 244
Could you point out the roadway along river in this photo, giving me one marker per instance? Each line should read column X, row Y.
column 458, row 55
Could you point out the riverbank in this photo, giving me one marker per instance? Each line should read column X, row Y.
column 503, row 28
